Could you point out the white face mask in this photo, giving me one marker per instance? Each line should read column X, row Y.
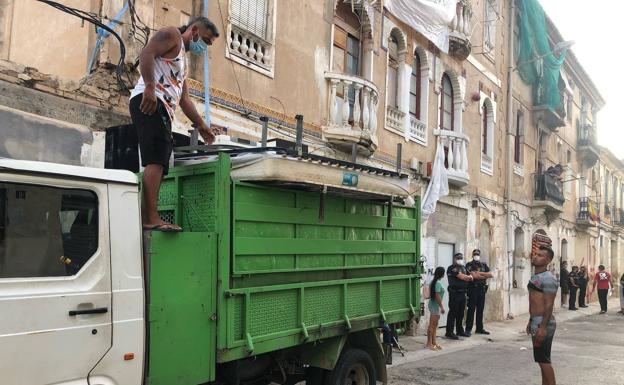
column 460, row 262
column 477, row 258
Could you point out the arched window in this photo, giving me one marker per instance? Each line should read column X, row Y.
column 415, row 88
column 447, row 114
column 484, row 130
column 393, row 71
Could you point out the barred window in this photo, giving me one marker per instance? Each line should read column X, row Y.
column 250, row 15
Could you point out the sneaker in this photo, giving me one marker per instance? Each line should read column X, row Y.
column 482, row 332
column 573, row 308
column 464, row 334
column 602, row 311
column 451, row 336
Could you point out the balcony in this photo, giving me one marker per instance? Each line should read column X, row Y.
column 250, row 50
column 617, row 218
column 460, row 30
column 548, row 194
column 418, row 130
column 587, row 213
column 352, row 121
column 587, row 145
column 456, row 162
column 394, row 119
column 548, row 119
column 486, row 164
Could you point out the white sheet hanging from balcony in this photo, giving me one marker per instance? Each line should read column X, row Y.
column 438, row 186
column 429, row 17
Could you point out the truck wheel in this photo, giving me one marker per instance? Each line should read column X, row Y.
column 355, row 367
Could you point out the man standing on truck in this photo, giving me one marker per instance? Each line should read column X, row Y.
column 543, row 288
column 160, row 89
column 458, row 279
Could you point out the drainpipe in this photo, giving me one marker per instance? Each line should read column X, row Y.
column 206, row 77
column 509, row 153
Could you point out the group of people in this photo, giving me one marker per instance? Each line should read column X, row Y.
column 574, row 286
column 467, row 285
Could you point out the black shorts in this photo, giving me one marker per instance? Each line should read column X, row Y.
column 154, row 132
column 541, row 351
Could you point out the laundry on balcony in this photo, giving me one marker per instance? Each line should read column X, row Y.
column 432, row 18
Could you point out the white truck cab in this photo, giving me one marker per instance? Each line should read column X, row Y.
column 71, row 290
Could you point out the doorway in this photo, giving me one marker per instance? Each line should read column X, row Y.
column 445, row 259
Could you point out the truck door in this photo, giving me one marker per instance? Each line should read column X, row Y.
column 55, row 282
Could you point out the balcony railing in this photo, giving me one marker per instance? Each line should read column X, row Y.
column 251, row 48
column 460, row 31
column 486, row 163
column 352, row 121
column 617, row 217
column 587, row 135
column 588, row 212
column 456, row 162
column 394, row 118
column 418, row 130
column 548, row 188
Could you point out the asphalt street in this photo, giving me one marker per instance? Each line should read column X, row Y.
column 588, row 349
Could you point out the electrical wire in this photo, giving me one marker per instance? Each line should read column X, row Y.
column 240, row 92
column 93, row 19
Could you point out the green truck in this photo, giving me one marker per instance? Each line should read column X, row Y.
column 287, row 267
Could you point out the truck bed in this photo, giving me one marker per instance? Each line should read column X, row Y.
column 287, row 271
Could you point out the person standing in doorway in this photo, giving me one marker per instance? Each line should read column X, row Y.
column 458, row 284
column 564, row 283
column 436, row 308
column 603, row 281
column 573, row 285
column 582, row 283
column 480, row 273
column 161, row 88
column 541, row 326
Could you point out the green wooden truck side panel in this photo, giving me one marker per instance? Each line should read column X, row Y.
column 284, row 276
column 182, row 328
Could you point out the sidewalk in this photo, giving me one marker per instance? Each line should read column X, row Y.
column 509, row 330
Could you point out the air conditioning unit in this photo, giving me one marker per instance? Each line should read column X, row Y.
column 417, row 166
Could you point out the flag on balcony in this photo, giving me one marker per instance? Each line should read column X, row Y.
column 429, row 17
column 438, row 186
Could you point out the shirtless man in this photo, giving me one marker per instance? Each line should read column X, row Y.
column 543, row 288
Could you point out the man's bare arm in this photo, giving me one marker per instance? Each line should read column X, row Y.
column 162, row 42
column 465, row 277
column 191, row 112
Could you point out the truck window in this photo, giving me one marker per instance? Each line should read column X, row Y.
column 46, row 231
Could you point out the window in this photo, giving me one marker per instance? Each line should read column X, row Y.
column 346, row 52
column 489, row 27
column 446, row 104
column 393, row 71
column 484, row 130
column 252, row 30
column 518, row 137
column 415, row 88
column 46, row 231
column 250, row 15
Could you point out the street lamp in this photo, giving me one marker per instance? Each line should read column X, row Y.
column 556, row 48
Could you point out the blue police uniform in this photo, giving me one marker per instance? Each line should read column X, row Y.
column 476, row 296
column 457, row 300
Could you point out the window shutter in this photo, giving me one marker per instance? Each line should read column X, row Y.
column 250, row 15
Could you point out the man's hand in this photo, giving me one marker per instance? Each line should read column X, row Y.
column 540, row 334
column 442, row 310
column 206, row 133
column 149, row 102
column 528, row 328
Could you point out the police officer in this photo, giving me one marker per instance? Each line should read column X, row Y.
column 574, row 286
column 480, row 272
column 458, row 283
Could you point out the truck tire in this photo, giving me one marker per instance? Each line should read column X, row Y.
column 355, row 367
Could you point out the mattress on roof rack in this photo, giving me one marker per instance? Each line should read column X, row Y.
column 310, row 170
